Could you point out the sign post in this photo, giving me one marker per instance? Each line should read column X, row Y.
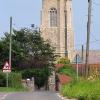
column 7, row 79
column 6, row 69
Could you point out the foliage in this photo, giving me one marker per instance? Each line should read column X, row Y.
column 67, row 69
column 10, row 89
column 40, row 75
column 14, row 80
column 64, row 61
column 82, row 90
column 29, row 73
column 2, row 79
column 94, row 74
column 28, row 50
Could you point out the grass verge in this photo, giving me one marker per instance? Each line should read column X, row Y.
column 10, row 89
column 82, row 90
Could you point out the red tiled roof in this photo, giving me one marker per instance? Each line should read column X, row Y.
column 94, row 56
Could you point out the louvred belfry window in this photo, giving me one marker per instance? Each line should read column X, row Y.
column 53, row 17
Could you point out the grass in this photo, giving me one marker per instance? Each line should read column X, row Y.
column 14, row 80
column 10, row 89
column 82, row 90
column 67, row 70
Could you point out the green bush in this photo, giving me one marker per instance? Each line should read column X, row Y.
column 15, row 80
column 82, row 90
column 40, row 75
column 2, row 80
column 67, row 68
column 27, row 73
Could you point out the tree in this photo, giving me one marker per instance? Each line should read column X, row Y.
column 29, row 51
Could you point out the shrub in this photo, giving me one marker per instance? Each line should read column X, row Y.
column 40, row 75
column 27, row 74
column 15, row 80
column 2, row 80
column 82, row 90
column 67, row 68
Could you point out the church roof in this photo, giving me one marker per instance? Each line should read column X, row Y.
column 94, row 57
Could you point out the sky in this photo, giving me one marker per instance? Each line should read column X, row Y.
column 27, row 12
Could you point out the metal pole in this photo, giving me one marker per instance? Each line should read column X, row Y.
column 7, row 79
column 82, row 58
column 66, row 51
column 10, row 47
column 88, row 36
column 77, row 65
column 82, row 53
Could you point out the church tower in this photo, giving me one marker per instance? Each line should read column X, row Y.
column 57, row 26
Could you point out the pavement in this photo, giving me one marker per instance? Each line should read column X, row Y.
column 38, row 95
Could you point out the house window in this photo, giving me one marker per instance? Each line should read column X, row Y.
column 53, row 17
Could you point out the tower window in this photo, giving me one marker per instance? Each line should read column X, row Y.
column 53, row 17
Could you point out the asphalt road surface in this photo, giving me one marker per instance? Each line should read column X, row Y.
column 39, row 95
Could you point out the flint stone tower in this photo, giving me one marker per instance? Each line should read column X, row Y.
column 57, row 26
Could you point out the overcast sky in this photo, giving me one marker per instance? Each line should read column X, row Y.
column 27, row 12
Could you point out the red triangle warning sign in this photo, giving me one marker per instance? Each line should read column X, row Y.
column 6, row 67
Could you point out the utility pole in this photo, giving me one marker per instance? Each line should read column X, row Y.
column 77, row 69
column 66, row 51
column 88, row 36
column 10, row 47
column 82, row 58
column 82, row 53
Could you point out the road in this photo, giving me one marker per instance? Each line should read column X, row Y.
column 39, row 95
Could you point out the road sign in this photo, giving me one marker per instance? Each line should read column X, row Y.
column 6, row 68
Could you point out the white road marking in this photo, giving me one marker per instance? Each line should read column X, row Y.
column 63, row 98
column 3, row 96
